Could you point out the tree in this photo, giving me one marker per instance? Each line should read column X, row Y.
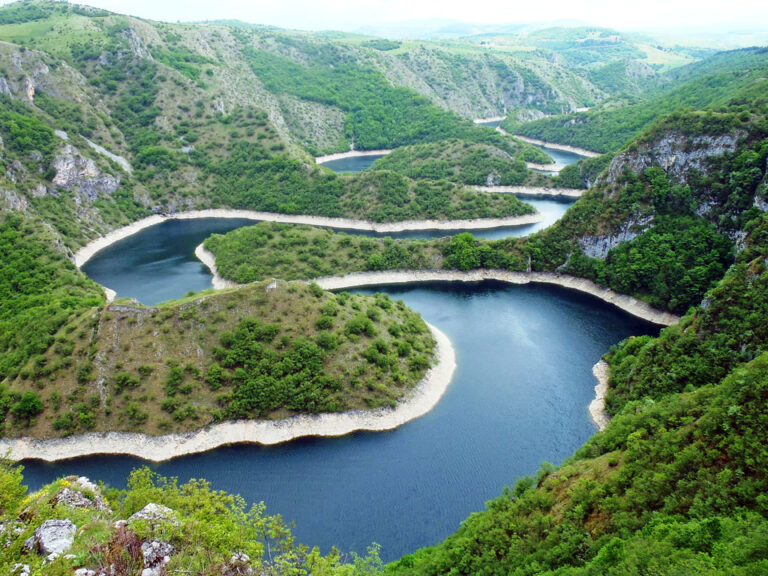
column 29, row 406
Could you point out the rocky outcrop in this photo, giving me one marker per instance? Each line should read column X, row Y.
column 599, row 246
column 675, row 152
column 239, row 565
column 76, row 172
column 81, row 493
column 52, row 537
column 122, row 162
column 138, row 48
column 154, row 513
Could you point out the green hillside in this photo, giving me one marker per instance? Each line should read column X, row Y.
column 737, row 77
column 105, row 119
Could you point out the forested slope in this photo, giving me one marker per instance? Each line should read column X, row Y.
column 723, row 79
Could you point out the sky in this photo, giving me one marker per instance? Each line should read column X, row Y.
column 352, row 15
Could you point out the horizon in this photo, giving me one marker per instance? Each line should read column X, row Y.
column 683, row 19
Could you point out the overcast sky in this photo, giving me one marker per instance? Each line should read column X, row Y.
column 354, row 14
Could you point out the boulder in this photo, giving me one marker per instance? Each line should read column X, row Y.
column 154, row 513
column 52, row 537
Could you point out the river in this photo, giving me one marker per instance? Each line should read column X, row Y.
column 519, row 397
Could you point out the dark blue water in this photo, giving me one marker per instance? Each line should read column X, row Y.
column 561, row 156
column 354, row 164
column 519, row 396
column 159, row 263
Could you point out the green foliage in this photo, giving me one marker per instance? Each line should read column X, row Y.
column 269, row 250
column 461, row 162
column 379, row 115
column 265, row 380
column 11, row 488
column 22, row 132
column 40, row 290
column 183, row 60
column 28, row 406
column 382, row 44
column 718, row 81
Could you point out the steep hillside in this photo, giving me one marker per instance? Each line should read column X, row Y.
column 737, row 77
column 675, row 484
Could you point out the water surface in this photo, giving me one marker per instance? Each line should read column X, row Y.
column 519, row 397
column 353, row 164
column 159, row 263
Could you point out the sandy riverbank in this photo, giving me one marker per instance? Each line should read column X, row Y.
column 209, row 259
column 86, row 253
column 532, row 191
column 600, row 417
column 629, row 304
column 491, row 119
column 350, row 154
column 563, row 147
column 544, row 167
column 157, row 448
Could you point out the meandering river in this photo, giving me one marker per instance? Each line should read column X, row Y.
column 519, row 397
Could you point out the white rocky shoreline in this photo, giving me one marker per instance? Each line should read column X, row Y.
column 418, row 402
column 87, row 252
column 628, row 304
column 533, row 191
column 350, row 154
column 563, row 147
column 601, row 372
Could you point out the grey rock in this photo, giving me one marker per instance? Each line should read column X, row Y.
column 493, row 179
column 676, row 153
column 52, row 537
column 76, row 172
column 85, row 572
column 4, row 89
column 599, row 246
column 156, row 555
column 22, row 569
column 154, row 513
column 761, row 204
column 82, row 494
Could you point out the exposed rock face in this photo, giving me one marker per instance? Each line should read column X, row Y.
column 676, row 153
column 76, row 172
column 13, row 201
column 493, row 179
column 30, row 90
column 156, row 555
column 122, row 162
column 138, row 47
column 599, row 246
column 4, row 89
column 638, row 70
column 52, row 537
